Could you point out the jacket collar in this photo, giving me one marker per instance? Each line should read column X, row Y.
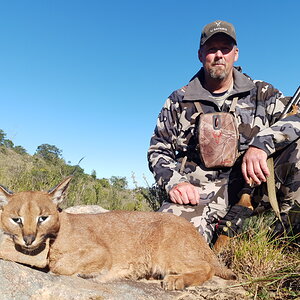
column 195, row 90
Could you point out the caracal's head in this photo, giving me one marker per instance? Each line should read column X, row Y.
column 31, row 217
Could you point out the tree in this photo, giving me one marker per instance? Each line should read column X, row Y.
column 104, row 182
column 48, row 152
column 4, row 141
column 20, row 150
column 8, row 144
column 2, row 137
column 94, row 174
column 118, row 182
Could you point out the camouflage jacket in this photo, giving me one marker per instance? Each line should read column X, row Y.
column 258, row 110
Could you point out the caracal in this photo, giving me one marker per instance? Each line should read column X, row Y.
column 111, row 245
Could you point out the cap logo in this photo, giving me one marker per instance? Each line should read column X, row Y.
column 218, row 23
column 217, row 26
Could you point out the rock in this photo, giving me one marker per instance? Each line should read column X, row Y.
column 20, row 282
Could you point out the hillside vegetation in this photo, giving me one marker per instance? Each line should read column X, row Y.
column 20, row 171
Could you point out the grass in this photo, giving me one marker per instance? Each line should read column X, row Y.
column 268, row 268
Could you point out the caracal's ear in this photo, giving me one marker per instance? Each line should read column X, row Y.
column 58, row 192
column 5, row 194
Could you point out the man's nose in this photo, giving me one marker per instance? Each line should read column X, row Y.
column 219, row 53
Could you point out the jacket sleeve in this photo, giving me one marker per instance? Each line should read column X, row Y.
column 281, row 132
column 162, row 151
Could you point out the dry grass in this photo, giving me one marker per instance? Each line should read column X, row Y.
column 269, row 269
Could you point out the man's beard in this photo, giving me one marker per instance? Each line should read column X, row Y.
column 218, row 72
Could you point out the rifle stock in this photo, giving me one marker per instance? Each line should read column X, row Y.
column 293, row 104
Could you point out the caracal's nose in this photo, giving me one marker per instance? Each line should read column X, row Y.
column 29, row 239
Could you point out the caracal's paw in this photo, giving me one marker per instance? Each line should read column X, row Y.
column 173, row 282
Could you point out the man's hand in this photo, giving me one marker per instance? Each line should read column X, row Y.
column 254, row 166
column 184, row 193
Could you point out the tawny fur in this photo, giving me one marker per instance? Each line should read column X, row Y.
column 112, row 245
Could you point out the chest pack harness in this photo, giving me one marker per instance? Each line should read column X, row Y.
column 218, row 137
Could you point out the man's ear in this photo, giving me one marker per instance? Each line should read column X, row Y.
column 236, row 57
column 59, row 191
column 200, row 55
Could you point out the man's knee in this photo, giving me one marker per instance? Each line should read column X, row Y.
column 287, row 163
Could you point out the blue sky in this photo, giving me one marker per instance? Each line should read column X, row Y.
column 90, row 77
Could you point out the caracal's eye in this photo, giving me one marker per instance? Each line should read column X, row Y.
column 17, row 220
column 42, row 219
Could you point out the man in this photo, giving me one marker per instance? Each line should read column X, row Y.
column 201, row 194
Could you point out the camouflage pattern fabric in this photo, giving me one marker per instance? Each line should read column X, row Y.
column 257, row 112
column 287, row 175
column 219, row 195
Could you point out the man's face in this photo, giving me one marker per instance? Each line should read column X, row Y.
column 218, row 55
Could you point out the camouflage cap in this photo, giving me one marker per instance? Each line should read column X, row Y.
column 217, row 27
